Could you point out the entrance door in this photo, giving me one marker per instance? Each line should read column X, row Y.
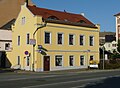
column 27, row 63
column 46, row 63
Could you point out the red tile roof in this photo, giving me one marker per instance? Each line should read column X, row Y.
column 62, row 16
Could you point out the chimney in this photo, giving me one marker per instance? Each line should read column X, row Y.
column 83, row 14
column 27, row 3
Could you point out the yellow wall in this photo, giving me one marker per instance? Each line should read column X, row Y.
column 53, row 49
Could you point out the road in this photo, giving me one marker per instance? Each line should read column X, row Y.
column 92, row 79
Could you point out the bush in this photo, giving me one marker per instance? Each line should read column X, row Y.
column 111, row 64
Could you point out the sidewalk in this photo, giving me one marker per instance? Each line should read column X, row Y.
column 66, row 71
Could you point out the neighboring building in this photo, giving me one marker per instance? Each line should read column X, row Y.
column 47, row 40
column 117, row 17
column 9, row 10
column 108, row 39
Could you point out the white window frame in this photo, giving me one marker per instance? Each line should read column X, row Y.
column 92, row 41
column 73, row 39
column 49, row 38
column 62, row 38
column 61, row 62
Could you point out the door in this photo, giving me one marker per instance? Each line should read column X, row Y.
column 27, row 63
column 2, row 59
column 46, row 63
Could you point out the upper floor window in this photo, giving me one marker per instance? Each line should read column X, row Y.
column 71, row 39
column 47, row 37
column 18, row 40
column 81, row 21
column 118, row 20
column 60, row 38
column 28, row 38
column 52, row 18
column 23, row 20
column 81, row 39
column 91, row 40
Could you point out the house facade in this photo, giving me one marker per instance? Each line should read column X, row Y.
column 48, row 40
column 117, row 20
column 108, row 40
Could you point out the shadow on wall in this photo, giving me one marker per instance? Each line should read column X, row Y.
column 4, row 61
column 112, row 82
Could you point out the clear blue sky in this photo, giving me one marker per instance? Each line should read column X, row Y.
column 98, row 11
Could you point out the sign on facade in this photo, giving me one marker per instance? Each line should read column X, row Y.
column 32, row 41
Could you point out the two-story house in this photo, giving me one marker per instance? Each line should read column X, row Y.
column 48, row 40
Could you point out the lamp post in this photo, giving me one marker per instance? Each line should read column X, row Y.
column 103, row 56
column 41, row 26
column 88, row 57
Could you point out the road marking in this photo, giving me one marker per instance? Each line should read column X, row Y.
column 51, row 84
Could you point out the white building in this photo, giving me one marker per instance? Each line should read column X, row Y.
column 117, row 17
column 5, row 40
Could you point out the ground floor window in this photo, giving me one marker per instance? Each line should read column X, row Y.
column 58, row 60
column 28, row 60
column 71, row 58
column 82, row 60
column 18, row 60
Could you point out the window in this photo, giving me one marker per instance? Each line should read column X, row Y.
column 71, row 39
column 60, row 38
column 28, row 38
column 81, row 39
column 18, row 60
column 23, row 21
column 28, row 61
column 58, row 60
column 47, row 38
column 7, row 46
column 81, row 60
column 91, row 58
column 118, row 29
column 71, row 58
column 18, row 40
column 118, row 20
column 91, row 40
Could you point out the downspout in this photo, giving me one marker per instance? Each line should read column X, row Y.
column 41, row 26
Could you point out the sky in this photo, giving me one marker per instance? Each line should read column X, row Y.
column 97, row 11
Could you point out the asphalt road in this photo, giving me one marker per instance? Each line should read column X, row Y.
column 95, row 79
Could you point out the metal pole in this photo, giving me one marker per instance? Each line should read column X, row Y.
column 103, row 57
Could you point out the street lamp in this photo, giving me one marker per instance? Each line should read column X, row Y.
column 103, row 48
column 41, row 26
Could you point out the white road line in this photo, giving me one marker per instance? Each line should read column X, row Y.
column 52, row 84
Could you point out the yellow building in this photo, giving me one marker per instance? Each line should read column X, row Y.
column 48, row 40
